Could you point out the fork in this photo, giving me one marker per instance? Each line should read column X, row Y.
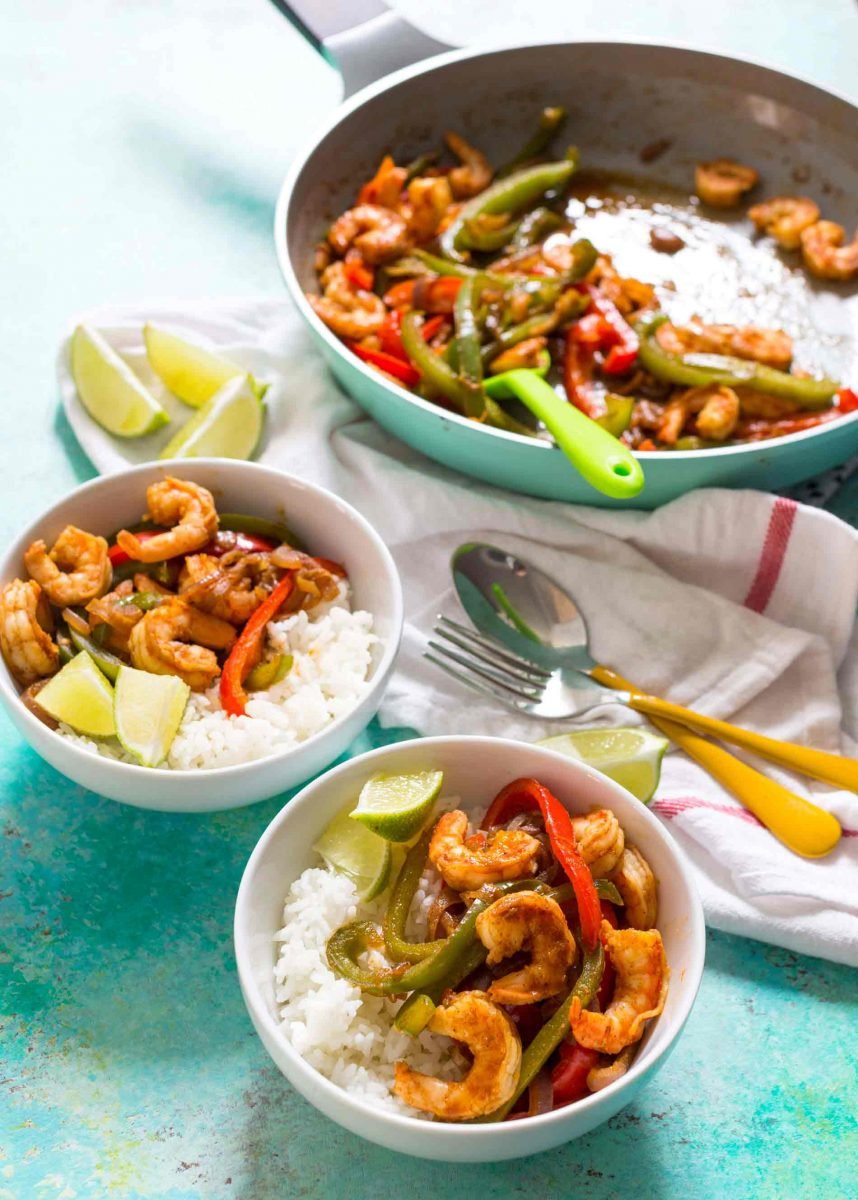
column 527, row 688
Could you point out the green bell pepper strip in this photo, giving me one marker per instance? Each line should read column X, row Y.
column 473, row 237
column 268, row 672
column 415, row 1014
column 555, row 1029
column 700, row 370
column 551, row 121
column 531, row 327
column 618, row 414
column 106, row 662
column 509, row 195
column 605, row 890
column 533, row 227
column 466, row 397
column 468, row 334
column 261, row 526
column 393, row 925
column 419, row 165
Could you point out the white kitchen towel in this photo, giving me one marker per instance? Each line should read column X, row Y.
column 735, row 602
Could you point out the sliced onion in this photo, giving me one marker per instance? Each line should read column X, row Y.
column 287, row 558
column 28, row 699
column 540, row 1094
column 436, row 926
column 76, row 622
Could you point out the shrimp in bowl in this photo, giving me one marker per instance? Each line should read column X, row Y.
column 175, row 621
column 449, row 1007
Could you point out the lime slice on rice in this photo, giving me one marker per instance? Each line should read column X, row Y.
column 109, row 390
column 229, row 425
column 396, row 807
column 191, row 372
column 148, row 710
column 351, row 850
column 81, row 697
column 630, row 756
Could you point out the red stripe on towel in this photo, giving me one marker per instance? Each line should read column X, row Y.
column 676, row 805
column 774, row 550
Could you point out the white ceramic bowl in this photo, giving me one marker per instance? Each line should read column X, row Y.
column 475, row 768
column 326, row 524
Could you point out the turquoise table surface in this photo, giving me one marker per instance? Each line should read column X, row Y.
column 141, row 146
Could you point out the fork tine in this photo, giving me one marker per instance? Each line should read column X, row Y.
column 512, row 688
column 513, row 660
column 470, row 682
column 521, row 673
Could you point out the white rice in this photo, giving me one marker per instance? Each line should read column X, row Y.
column 347, row 1036
column 331, row 647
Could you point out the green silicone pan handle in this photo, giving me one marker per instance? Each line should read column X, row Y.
column 603, row 461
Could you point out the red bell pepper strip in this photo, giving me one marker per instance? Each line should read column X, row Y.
column 241, row 657
column 390, row 335
column 403, row 371
column 578, row 378
column 591, row 330
column 527, row 795
column 847, row 400
column 432, row 295
column 431, row 327
column 118, row 556
column 619, row 339
column 359, row 274
column 569, row 1077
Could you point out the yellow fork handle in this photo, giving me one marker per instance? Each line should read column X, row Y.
column 803, row 827
column 818, row 764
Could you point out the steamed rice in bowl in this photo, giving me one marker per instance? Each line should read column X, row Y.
column 332, row 658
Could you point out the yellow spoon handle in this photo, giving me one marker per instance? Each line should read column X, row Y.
column 817, row 764
column 802, row 826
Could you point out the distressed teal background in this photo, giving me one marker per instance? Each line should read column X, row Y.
column 141, row 147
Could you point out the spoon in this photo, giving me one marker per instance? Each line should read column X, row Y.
column 597, row 455
column 519, row 606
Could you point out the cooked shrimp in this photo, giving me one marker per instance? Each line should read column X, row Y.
column 637, row 956
column 761, row 404
column 74, row 571
column 493, row 1041
column 629, row 295
column 636, row 884
column 785, row 218
column 600, row 840
column 386, row 185
column 175, row 639
column 349, row 311
column 114, row 611
column 231, row 587
column 187, row 508
column 507, row 854
column 429, row 197
column 527, row 921
column 25, row 624
column 599, row 1077
column 474, row 174
column 824, row 252
column 722, row 182
column 377, row 232
column 772, row 347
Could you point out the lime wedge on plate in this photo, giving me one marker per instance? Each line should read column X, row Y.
column 109, row 390
column 631, row 757
column 396, row 807
column 81, row 697
column 352, row 850
column 228, row 425
column 191, row 372
column 148, row 710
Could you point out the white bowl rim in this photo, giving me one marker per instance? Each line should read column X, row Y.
column 262, row 1017
column 187, row 465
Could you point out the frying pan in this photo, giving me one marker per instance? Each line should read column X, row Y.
column 622, row 98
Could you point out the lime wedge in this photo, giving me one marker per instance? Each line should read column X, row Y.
column 80, row 696
column 228, row 425
column 631, row 757
column 109, row 390
column 396, row 807
column 191, row 372
column 148, row 711
column 352, row 850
